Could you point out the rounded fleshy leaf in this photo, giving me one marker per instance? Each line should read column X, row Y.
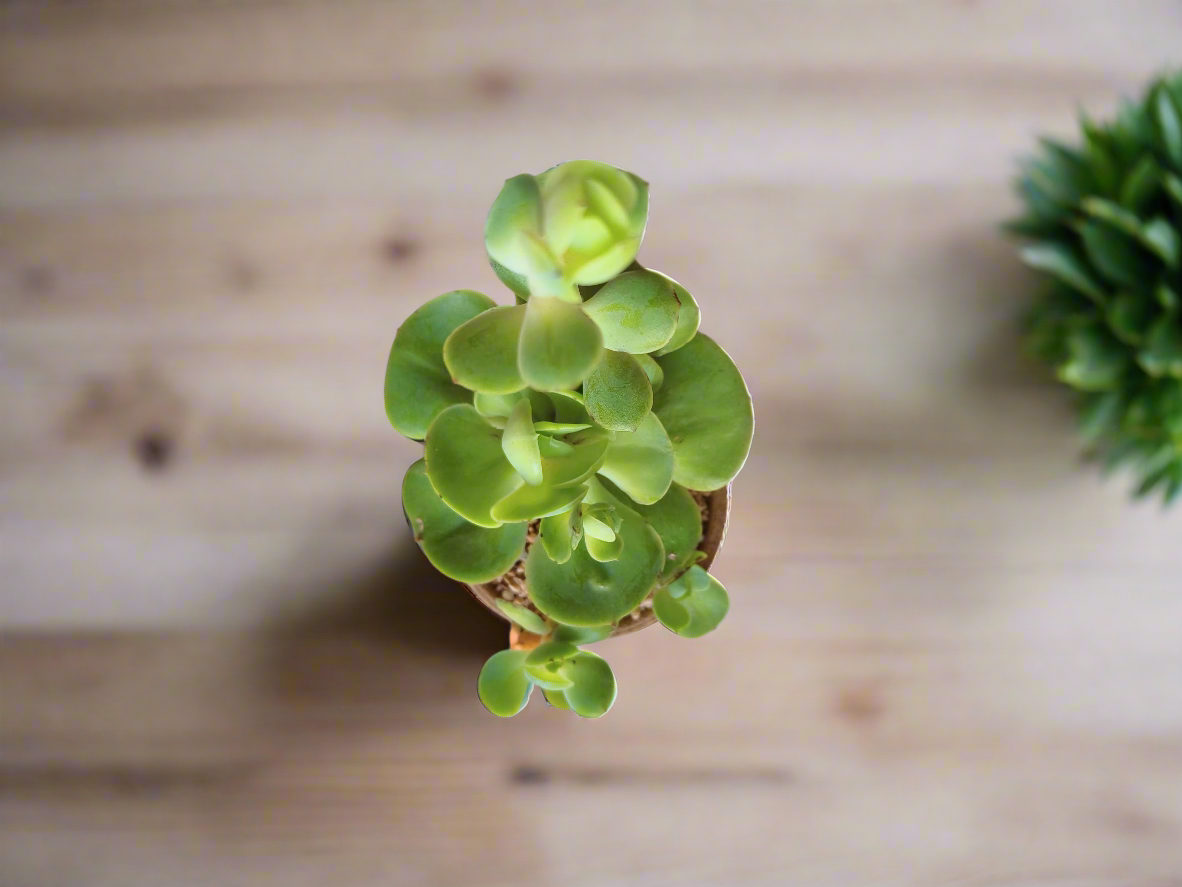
column 652, row 369
column 516, row 212
column 678, row 522
column 590, row 451
column 597, row 529
column 688, row 319
column 593, row 689
column 543, row 664
column 457, row 548
column 520, row 443
column 669, row 610
column 560, row 534
column 498, row 406
column 636, row 311
column 640, row 462
column 580, row 636
column 467, row 466
column 617, row 392
column 482, row 354
column 569, row 406
column 418, row 386
column 516, row 283
column 594, row 218
column 553, row 448
column 559, row 344
column 528, row 503
column 523, row 616
column 503, row 687
column 603, row 550
column 584, row 591
column 557, row 699
column 560, row 427
column 706, row 410
column 702, row 597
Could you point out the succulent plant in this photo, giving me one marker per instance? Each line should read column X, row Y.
column 1105, row 220
column 589, row 409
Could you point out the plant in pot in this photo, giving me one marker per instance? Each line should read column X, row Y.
column 1104, row 216
column 578, row 445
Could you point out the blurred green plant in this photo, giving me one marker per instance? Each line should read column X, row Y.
column 1104, row 216
column 592, row 406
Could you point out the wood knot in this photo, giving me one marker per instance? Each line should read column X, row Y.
column 38, row 280
column 399, row 249
column 154, row 450
column 495, row 85
column 861, row 704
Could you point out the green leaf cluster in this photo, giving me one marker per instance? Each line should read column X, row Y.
column 591, row 405
column 1104, row 219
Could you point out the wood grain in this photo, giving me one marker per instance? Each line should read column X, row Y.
column 954, row 653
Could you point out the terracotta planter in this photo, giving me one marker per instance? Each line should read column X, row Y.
column 713, row 533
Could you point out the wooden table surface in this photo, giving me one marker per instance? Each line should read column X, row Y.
column 954, row 655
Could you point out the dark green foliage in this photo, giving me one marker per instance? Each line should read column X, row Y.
column 1104, row 221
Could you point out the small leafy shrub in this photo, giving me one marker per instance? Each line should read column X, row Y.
column 593, row 406
column 1103, row 216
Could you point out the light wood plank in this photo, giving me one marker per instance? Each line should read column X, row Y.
column 879, row 756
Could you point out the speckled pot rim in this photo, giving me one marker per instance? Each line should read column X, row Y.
column 713, row 535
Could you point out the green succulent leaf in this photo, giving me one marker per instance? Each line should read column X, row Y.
column 482, row 354
column 705, row 408
column 526, row 618
column 581, row 635
column 560, row 533
column 1162, row 240
column 497, row 407
column 678, row 522
column 528, row 503
column 593, row 689
column 669, row 609
column 600, row 521
column 1162, row 352
column 418, row 386
column 466, row 464
column 637, row 312
column 1101, row 415
column 572, row 469
column 701, row 597
column 560, row 427
column 544, row 665
column 1067, row 265
column 520, row 444
column 1173, row 187
column 618, row 393
column 1141, row 184
column 557, row 699
column 516, row 213
column 652, row 369
column 1097, row 359
column 1169, row 125
column 595, row 215
column 503, row 686
column 603, row 550
column 559, row 344
column 1130, row 315
column 1115, row 254
column 516, row 283
column 688, row 319
column 1167, row 297
column 456, row 547
column 586, row 592
column 569, row 407
column 553, row 447
column 641, row 462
